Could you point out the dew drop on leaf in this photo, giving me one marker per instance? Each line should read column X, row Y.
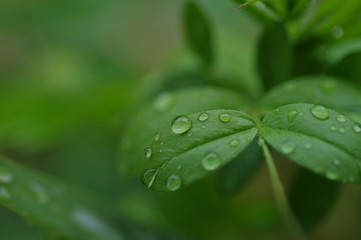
column 320, row 112
column 40, row 192
column 5, row 176
column 225, row 117
column 157, row 137
column 341, row 130
column 148, row 152
column 333, row 128
column 292, row 115
column 4, row 194
column 341, row 118
column 203, row 117
column 163, row 102
column 329, row 85
column 211, row 161
column 331, row 174
column 235, row 143
column 149, row 177
column 93, row 224
column 288, row 147
column 174, row 182
column 181, row 125
column 357, row 128
column 336, row 162
column 308, row 145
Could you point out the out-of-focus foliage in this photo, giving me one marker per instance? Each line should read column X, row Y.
column 78, row 77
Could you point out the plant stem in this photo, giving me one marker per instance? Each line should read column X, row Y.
column 281, row 200
column 246, row 4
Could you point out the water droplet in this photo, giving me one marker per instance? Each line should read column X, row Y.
column 174, row 182
column 235, row 143
column 94, row 225
column 5, row 176
column 341, row 130
column 157, row 137
column 333, row 128
column 225, row 117
column 329, row 85
column 337, row 32
column 203, row 117
column 149, row 177
column 331, row 174
column 39, row 192
column 211, row 161
column 181, row 124
column 302, row 113
column 260, row 141
column 320, row 112
column 292, row 115
column 290, row 87
column 148, row 152
column 357, row 128
column 189, row 134
column 288, row 147
column 161, row 143
column 336, row 162
column 341, row 118
column 4, row 194
column 203, row 126
column 163, row 102
column 308, row 145
column 248, row 139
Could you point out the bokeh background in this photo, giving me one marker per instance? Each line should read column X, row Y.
column 71, row 75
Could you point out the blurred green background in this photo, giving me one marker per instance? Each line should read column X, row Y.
column 71, row 74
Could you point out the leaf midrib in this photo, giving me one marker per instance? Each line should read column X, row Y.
column 203, row 143
column 315, row 137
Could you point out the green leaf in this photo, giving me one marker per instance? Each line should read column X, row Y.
column 198, row 31
column 317, row 138
column 51, row 203
column 274, row 58
column 144, row 124
column 312, row 197
column 323, row 90
column 195, row 145
column 235, row 175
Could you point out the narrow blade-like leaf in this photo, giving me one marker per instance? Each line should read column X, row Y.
column 312, row 197
column 50, row 203
column 194, row 145
column 198, row 31
column 274, row 57
column 317, row 138
column 236, row 174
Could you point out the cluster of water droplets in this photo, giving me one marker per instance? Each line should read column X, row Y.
column 182, row 125
column 321, row 113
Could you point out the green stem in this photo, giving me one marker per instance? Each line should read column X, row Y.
column 280, row 197
column 246, row 4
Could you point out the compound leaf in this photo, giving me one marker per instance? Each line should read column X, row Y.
column 158, row 113
column 320, row 139
column 194, row 145
column 323, row 90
